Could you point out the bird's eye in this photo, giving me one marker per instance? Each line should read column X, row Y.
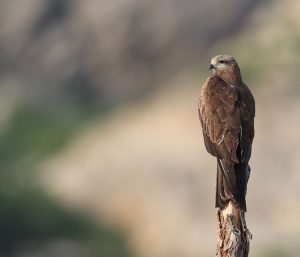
column 221, row 61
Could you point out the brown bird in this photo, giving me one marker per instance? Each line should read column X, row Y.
column 226, row 111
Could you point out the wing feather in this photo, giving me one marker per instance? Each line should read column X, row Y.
column 220, row 119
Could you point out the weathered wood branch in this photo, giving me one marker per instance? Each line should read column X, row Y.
column 232, row 233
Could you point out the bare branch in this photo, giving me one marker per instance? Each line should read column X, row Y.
column 232, row 233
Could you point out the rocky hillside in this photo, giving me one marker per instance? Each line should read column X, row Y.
column 145, row 167
column 68, row 179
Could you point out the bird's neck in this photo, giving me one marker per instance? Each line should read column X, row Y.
column 232, row 78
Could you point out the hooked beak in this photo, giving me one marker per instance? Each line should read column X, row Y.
column 211, row 66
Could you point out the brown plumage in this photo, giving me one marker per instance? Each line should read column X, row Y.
column 226, row 111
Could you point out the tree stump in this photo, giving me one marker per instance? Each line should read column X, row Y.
column 232, row 233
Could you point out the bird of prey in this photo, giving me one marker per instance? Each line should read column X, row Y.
column 226, row 111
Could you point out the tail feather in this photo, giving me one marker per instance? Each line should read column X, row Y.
column 242, row 173
column 231, row 185
column 221, row 199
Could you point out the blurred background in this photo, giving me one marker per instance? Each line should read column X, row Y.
column 101, row 149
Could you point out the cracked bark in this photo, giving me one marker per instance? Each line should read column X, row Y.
column 232, row 233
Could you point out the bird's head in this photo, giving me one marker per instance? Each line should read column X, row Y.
column 226, row 68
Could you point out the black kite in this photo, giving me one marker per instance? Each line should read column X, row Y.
column 226, row 111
